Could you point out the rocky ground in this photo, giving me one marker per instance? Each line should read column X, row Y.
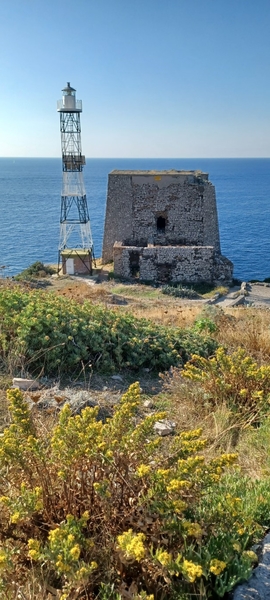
column 256, row 295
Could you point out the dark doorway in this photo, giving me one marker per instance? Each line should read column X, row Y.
column 164, row 273
column 134, row 263
column 161, row 224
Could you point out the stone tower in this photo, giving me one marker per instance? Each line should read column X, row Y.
column 163, row 226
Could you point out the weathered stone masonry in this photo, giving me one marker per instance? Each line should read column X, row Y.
column 163, row 226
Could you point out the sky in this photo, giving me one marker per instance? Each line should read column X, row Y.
column 157, row 78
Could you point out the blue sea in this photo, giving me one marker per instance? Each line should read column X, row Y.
column 30, row 190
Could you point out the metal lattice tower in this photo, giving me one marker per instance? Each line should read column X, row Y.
column 75, row 230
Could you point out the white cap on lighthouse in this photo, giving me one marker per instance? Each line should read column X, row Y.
column 68, row 103
column 69, row 97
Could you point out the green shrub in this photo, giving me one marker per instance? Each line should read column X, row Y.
column 43, row 332
column 179, row 291
column 37, row 269
column 110, row 506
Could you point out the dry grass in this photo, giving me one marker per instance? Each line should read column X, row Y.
column 247, row 328
column 226, row 431
column 5, row 383
column 169, row 313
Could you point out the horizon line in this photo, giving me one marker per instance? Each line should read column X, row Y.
column 150, row 157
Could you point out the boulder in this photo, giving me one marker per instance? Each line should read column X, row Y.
column 25, row 384
column 164, row 427
column 258, row 586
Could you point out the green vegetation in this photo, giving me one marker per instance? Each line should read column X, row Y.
column 110, row 510
column 34, row 271
column 192, row 292
column 179, row 291
column 135, row 291
column 47, row 334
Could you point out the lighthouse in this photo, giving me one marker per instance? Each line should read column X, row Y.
column 76, row 243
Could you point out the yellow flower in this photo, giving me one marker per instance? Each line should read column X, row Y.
column 241, row 531
column 176, row 485
column 143, row 470
column 34, row 549
column 83, row 572
column 163, row 557
column 192, row 528
column 3, row 558
column 163, row 472
column 217, row 566
column 191, row 570
column 237, row 547
column 243, row 392
column 75, row 552
column 251, row 555
column 179, row 506
column 4, row 499
column 15, row 517
column 132, row 545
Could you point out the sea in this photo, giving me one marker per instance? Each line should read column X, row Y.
column 30, row 195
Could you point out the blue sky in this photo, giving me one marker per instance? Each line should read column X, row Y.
column 158, row 78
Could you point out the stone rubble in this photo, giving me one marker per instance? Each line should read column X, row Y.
column 258, row 586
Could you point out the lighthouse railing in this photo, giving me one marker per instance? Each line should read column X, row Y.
column 62, row 107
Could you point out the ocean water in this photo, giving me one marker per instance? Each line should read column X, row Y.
column 30, row 190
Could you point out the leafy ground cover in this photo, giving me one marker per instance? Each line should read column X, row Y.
column 46, row 334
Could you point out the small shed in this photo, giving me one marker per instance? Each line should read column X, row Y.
column 76, row 261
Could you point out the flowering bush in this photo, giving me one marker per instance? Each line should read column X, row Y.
column 92, row 506
column 235, row 379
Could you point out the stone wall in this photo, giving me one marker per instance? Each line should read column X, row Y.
column 190, row 264
column 185, row 201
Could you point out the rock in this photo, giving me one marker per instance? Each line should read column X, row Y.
column 77, row 405
column 118, row 300
column 233, row 295
column 148, row 404
column 117, row 378
column 46, row 404
column 258, row 586
column 237, row 301
column 25, row 384
column 245, row 288
column 164, row 427
column 213, row 299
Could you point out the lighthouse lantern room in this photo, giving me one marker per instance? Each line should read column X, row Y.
column 76, row 243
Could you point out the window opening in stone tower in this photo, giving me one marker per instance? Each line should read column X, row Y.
column 161, row 224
